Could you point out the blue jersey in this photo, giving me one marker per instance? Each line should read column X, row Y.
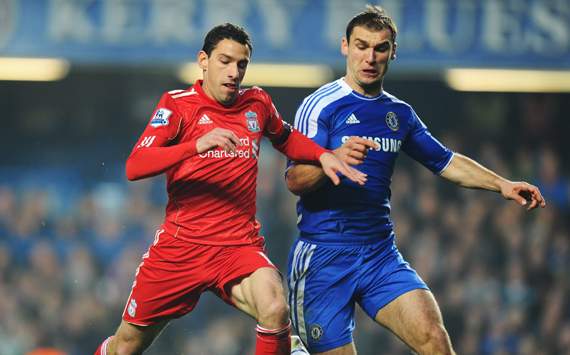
column 350, row 212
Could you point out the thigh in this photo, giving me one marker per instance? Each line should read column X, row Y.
column 248, row 280
column 259, row 291
column 410, row 315
column 321, row 288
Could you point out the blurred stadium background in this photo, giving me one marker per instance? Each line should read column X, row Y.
column 72, row 229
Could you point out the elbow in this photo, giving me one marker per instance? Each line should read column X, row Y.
column 293, row 186
column 130, row 172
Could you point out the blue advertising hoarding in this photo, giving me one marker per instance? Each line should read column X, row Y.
column 433, row 34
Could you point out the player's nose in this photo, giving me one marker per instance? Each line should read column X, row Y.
column 370, row 56
column 233, row 71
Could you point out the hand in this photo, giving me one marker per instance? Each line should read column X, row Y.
column 523, row 193
column 331, row 165
column 354, row 150
column 218, row 137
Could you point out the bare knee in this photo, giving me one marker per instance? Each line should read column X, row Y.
column 274, row 314
column 127, row 343
column 434, row 340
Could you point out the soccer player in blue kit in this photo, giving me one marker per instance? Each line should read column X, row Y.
column 346, row 252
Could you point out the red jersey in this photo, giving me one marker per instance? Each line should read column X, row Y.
column 211, row 196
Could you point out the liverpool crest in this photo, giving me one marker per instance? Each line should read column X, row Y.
column 252, row 123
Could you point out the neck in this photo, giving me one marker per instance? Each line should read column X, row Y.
column 208, row 92
column 370, row 90
column 206, row 89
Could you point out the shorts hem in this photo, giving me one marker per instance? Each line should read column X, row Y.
column 138, row 324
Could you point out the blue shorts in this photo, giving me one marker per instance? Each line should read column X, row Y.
column 326, row 280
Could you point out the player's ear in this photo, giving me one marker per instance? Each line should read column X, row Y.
column 344, row 46
column 393, row 56
column 202, row 60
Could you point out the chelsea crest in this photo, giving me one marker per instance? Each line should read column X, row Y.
column 392, row 121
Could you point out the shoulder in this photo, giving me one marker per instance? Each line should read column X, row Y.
column 255, row 93
column 180, row 94
column 323, row 98
column 180, row 100
column 396, row 101
column 329, row 92
column 401, row 106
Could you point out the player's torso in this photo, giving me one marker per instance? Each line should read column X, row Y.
column 347, row 211
column 246, row 120
column 212, row 194
column 380, row 120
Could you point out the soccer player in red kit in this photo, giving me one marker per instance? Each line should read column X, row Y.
column 207, row 139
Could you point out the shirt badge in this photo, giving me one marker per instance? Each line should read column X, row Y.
column 160, row 118
column 392, row 121
column 252, row 123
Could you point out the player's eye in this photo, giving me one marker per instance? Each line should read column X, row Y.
column 383, row 47
column 242, row 64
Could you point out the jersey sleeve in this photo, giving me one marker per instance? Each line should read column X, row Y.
column 313, row 123
column 155, row 151
column 288, row 140
column 425, row 148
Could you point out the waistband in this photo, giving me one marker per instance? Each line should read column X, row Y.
column 346, row 239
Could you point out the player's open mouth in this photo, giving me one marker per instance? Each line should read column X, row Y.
column 370, row 72
column 230, row 86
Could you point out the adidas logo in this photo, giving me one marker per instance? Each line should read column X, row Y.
column 205, row 120
column 352, row 119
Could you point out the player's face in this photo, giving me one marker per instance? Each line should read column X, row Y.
column 224, row 70
column 368, row 54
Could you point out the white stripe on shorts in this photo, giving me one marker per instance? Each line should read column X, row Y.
column 301, row 259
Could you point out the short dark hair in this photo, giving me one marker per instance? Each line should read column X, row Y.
column 225, row 31
column 375, row 18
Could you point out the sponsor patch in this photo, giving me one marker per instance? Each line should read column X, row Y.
column 252, row 123
column 160, row 118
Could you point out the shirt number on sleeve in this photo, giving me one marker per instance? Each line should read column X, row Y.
column 146, row 142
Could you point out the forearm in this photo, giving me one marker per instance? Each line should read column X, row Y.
column 299, row 148
column 468, row 173
column 302, row 178
column 147, row 162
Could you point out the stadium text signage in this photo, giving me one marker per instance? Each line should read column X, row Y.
column 433, row 33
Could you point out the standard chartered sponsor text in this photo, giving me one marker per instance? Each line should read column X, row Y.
column 242, row 151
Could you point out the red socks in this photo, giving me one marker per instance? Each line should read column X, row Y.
column 102, row 349
column 273, row 341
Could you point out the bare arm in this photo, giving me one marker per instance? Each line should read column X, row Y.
column 468, row 173
column 302, row 178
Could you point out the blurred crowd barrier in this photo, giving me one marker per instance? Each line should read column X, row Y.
column 69, row 247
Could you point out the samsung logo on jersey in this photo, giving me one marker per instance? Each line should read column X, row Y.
column 388, row 145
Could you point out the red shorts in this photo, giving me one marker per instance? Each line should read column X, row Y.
column 174, row 273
